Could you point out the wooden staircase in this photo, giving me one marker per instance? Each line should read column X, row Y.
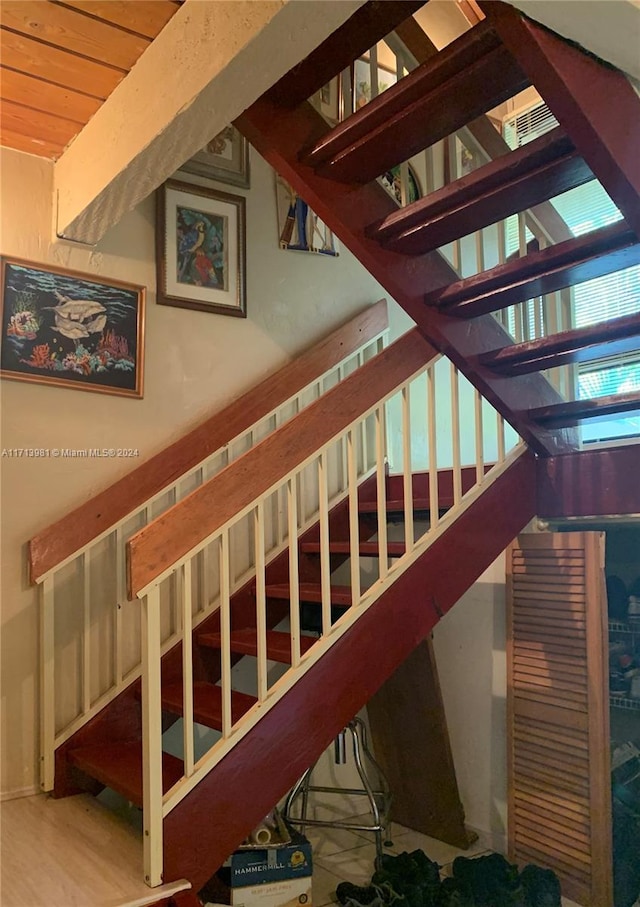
column 335, row 171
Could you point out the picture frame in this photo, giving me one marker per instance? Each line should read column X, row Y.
column 224, row 159
column 201, row 241
column 328, row 101
column 299, row 227
column 71, row 329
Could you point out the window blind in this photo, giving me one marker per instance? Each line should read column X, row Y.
column 584, row 209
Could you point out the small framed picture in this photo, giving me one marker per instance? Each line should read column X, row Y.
column 200, row 236
column 70, row 329
column 225, row 159
column 330, row 101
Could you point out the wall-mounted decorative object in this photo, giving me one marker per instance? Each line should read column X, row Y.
column 225, row 159
column 392, row 182
column 362, row 81
column 300, row 229
column 328, row 101
column 200, row 235
column 70, row 329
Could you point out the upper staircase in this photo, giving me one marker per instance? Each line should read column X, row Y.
column 335, row 170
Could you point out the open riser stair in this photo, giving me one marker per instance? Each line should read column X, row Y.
column 434, row 254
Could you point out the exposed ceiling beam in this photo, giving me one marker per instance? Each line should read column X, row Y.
column 209, row 63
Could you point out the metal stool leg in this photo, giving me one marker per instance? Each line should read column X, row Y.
column 379, row 800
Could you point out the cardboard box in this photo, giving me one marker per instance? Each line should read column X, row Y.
column 258, row 866
column 264, row 877
column 285, row 893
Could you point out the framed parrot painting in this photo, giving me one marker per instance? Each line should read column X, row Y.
column 70, row 329
column 201, row 249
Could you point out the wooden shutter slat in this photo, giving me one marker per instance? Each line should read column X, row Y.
column 559, row 802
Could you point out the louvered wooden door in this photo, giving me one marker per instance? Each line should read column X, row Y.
column 558, row 716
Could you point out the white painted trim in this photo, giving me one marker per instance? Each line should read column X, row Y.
column 19, row 793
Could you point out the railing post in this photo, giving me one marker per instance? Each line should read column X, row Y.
column 47, row 688
column 151, row 737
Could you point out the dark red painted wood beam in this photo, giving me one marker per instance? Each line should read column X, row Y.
column 566, row 264
column 610, row 338
column 574, row 411
column 359, row 33
column 534, row 173
column 212, row 821
column 600, row 482
column 278, row 134
column 594, row 103
column 467, row 78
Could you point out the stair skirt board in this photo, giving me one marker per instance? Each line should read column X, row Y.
column 213, row 819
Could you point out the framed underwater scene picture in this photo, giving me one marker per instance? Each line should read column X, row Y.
column 71, row 329
column 200, row 235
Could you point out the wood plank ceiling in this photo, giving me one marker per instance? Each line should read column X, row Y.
column 59, row 61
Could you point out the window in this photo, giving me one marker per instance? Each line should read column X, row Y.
column 584, row 209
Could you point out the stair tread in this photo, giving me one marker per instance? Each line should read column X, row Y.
column 311, row 592
column 609, row 338
column 470, row 76
column 366, row 549
column 534, row 173
column 567, row 263
column 244, row 642
column 119, row 766
column 396, row 505
column 573, row 411
column 207, row 702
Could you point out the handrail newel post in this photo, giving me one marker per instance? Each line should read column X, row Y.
column 47, row 685
column 151, row 736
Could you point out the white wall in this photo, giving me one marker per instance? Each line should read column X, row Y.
column 195, row 363
column 469, row 643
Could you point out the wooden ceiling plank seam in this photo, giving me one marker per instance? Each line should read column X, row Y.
column 31, row 92
column 69, row 29
column 65, row 50
column 46, row 126
column 119, row 12
column 41, row 80
column 28, row 145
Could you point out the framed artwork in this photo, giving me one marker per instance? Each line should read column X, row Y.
column 299, row 228
column 392, row 182
column 362, row 81
column 200, row 235
column 328, row 101
column 70, row 329
column 225, row 159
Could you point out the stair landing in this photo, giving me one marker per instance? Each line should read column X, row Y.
column 85, row 855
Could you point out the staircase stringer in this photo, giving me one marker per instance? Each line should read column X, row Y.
column 212, row 819
column 594, row 103
column 279, row 133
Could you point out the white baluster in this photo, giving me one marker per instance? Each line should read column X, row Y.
column 407, row 475
column 47, row 684
column 501, row 444
column 381, row 489
column 354, row 527
column 261, row 601
column 479, row 437
column 434, row 513
column 225, row 634
column 455, row 433
column 86, row 630
column 184, row 591
column 121, row 598
column 325, row 557
column 294, row 588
